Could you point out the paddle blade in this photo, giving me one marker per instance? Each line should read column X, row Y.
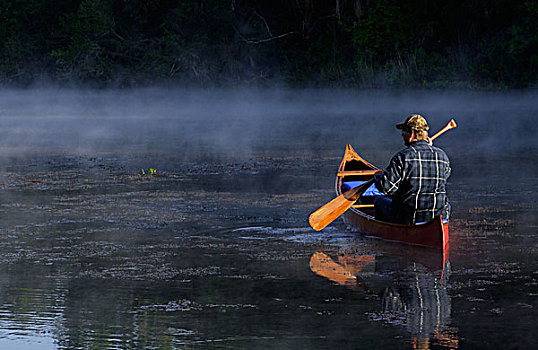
column 329, row 212
column 326, row 214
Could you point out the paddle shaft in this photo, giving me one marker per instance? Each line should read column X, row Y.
column 451, row 124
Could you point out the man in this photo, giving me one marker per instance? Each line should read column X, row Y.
column 415, row 179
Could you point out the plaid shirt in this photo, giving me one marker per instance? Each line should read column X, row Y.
column 416, row 179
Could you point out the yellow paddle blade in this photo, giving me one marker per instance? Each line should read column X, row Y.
column 326, row 214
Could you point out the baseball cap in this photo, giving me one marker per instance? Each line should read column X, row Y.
column 414, row 122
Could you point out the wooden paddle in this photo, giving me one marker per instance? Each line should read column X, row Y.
column 332, row 210
column 329, row 212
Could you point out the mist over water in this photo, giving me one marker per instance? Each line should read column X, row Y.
column 215, row 247
column 192, row 125
column 237, row 123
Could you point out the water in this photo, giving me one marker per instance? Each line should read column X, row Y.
column 214, row 250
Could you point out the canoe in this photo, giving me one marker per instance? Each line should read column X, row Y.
column 354, row 170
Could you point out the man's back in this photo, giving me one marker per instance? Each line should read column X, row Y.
column 416, row 179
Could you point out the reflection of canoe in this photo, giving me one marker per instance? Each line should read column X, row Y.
column 354, row 170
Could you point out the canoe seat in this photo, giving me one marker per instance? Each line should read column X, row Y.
column 356, row 172
column 371, row 191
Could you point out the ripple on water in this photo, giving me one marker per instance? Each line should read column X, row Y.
column 295, row 234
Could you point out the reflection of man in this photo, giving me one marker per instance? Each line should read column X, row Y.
column 415, row 178
column 420, row 301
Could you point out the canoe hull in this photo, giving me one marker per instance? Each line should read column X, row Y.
column 360, row 217
column 433, row 233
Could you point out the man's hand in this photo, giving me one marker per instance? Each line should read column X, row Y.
column 430, row 141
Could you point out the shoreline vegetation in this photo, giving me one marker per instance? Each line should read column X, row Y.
column 307, row 43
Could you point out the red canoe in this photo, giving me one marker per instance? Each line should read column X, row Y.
column 360, row 217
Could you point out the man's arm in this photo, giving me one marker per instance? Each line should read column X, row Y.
column 388, row 181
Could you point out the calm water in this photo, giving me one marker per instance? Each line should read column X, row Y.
column 213, row 250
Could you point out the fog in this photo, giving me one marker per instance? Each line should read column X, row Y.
column 240, row 124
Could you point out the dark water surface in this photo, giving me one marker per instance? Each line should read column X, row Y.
column 213, row 250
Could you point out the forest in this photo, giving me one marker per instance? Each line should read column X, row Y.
column 482, row 44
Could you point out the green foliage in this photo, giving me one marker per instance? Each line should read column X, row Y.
column 25, row 27
column 91, row 41
column 305, row 42
column 143, row 40
column 381, row 33
column 512, row 57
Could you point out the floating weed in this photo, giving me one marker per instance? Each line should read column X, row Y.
column 150, row 171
